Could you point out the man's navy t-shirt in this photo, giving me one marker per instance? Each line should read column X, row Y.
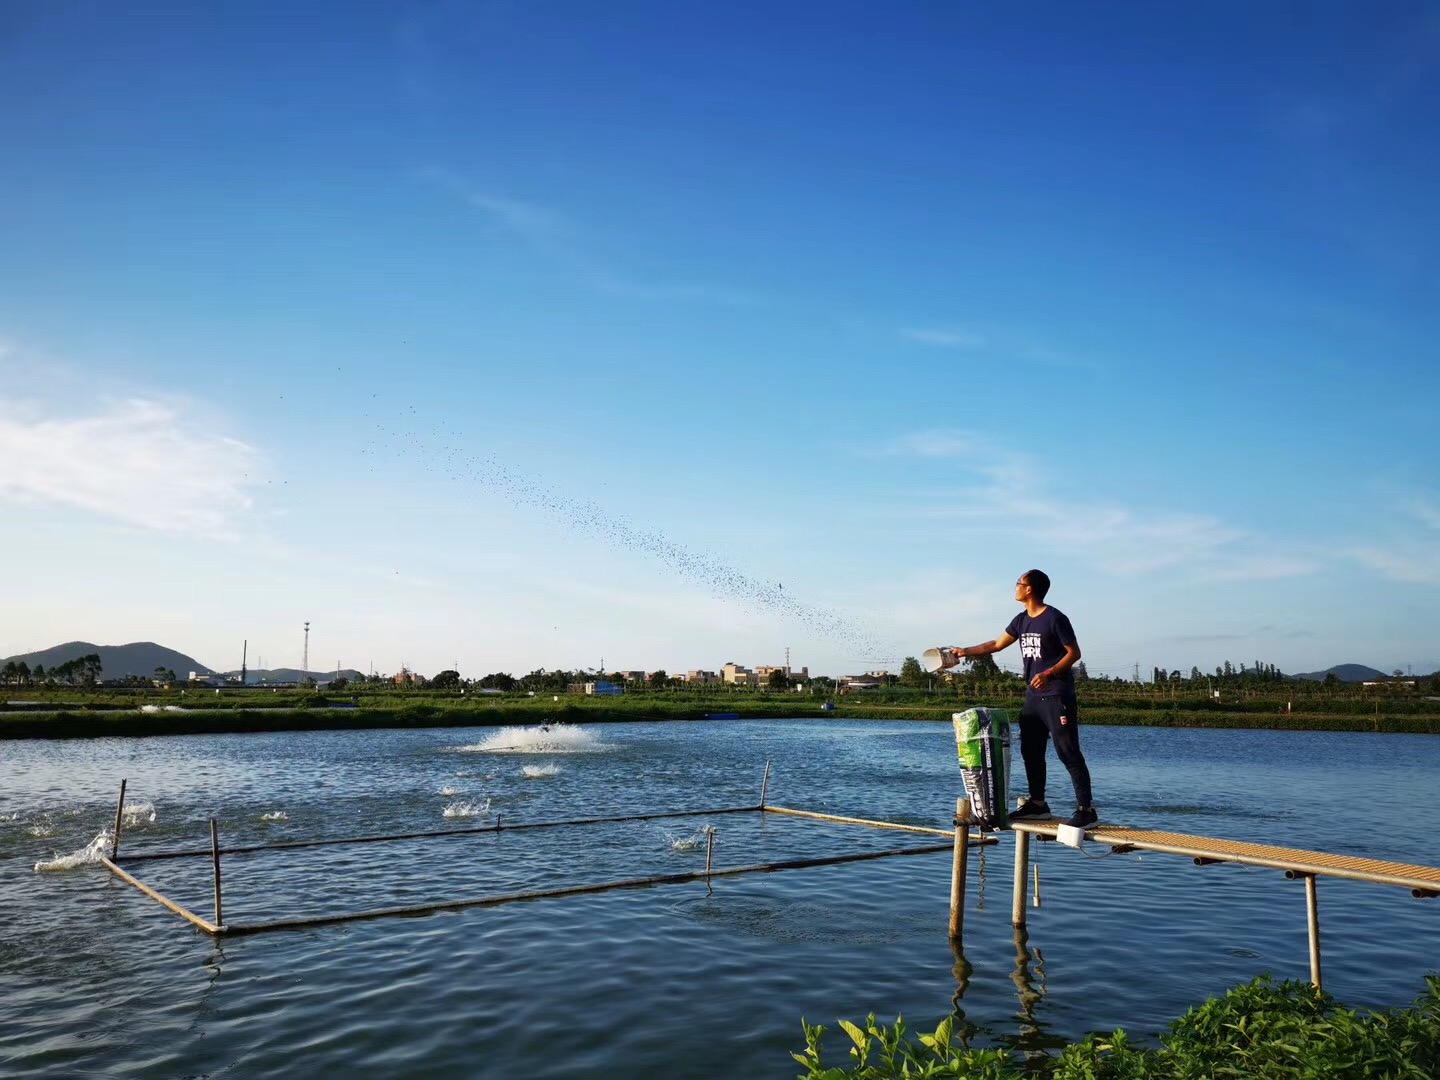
column 1042, row 644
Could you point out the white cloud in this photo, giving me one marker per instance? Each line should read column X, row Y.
column 535, row 223
column 135, row 460
column 945, row 338
column 932, row 444
column 1412, row 564
column 1012, row 497
column 998, row 342
column 1427, row 511
column 1408, row 554
column 559, row 240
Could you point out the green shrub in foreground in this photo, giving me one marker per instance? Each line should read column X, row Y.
column 1272, row 1031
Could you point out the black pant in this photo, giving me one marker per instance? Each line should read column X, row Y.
column 1055, row 718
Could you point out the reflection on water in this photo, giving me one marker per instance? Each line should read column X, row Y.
column 1030, row 1036
column 965, row 1029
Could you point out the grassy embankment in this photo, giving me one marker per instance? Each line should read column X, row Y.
column 75, row 713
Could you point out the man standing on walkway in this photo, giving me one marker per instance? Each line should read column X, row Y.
column 1048, row 646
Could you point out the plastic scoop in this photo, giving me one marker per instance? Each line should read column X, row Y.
column 937, row 659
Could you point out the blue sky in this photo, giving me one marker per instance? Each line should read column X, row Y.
column 551, row 334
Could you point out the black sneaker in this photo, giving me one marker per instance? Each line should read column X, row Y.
column 1030, row 808
column 1085, row 816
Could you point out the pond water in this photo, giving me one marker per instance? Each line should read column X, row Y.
column 673, row 980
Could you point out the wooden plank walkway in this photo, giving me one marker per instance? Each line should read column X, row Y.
column 1422, row 880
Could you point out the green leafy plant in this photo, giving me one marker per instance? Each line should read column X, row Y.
column 881, row 1051
column 1263, row 1029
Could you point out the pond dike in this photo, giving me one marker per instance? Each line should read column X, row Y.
column 94, row 721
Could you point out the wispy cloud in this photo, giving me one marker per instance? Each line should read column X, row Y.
column 1411, row 551
column 1010, row 493
column 1408, row 562
column 996, row 341
column 1200, row 639
column 945, row 339
column 1426, row 511
column 931, row 444
column 534, row 223
column 560, row 240
column 138, row 461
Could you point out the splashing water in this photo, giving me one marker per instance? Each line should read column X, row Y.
column 86, row 856
column 539, row 772
column 42, row 828
column 467, row 809
column 9, row 817
column 542, row 739
column 138, row 813
column 448, row 791
column 694, row 842
column 275, row 815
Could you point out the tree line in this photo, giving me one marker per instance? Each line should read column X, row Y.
column 82, row 669
column 79, row 671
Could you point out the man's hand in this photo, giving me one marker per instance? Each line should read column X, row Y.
column 1038, row 682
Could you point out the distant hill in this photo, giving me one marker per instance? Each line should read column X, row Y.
column 287, row 674
column 116, row 661
column 1345, row 673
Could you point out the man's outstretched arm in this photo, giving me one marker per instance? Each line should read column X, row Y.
column 1004, row 641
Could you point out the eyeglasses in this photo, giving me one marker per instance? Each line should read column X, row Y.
column 1022, row 582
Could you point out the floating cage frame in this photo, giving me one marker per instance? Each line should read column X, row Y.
column 1422, row 881
column 957, row 840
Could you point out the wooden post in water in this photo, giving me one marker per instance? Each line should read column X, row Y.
column 1312, row 910
column 1022, row 868
column 958, row 868
column 764, row 783
column 215, row 854
column 709, row 849
column 119, row 812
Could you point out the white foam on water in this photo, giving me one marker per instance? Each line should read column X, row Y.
column 542, row 739
column 460, row 809
column 86, row 856
column 6, row 818
column 42, row 828
column 274, row 815
column 694, row 842
column 539, row 772
column 137, row 813
column 448, row 791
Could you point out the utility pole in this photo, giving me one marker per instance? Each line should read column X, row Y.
column 305, row 663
